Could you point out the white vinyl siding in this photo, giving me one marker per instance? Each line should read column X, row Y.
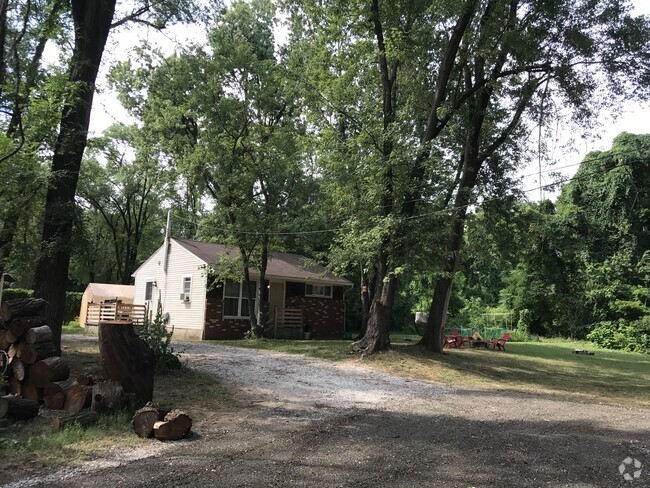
column 183, row 268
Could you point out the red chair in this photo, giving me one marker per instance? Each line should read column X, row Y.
column 500, row 343
column 454, row 340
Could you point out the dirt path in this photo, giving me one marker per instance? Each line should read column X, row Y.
column 305, row 422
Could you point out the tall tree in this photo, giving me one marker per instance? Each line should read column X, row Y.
column 92, row 23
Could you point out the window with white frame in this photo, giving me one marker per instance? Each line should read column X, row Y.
column 321, row 291
column 148, row 291
column 187, row 285
column 235, row 299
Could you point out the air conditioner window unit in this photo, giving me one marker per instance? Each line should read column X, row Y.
column 182, row 297
column 187, row 297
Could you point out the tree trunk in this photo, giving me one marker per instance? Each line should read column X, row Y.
column 365, row 301
column 377, row 336
column 92, row 21
column 127, row 359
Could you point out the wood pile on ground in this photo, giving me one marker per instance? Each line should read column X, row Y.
column 162, row 423
column 38, row 379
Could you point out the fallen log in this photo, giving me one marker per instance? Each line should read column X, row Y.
column 42, row 333
column 48, row 370
column 22, row 307
column 107, row 396
column 177, row 424
column 21, row 325
column 77, row 398
column 20, row 408
column 84, row 419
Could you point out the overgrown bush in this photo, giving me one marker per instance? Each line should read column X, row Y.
column 633, row 336
column 155, row 334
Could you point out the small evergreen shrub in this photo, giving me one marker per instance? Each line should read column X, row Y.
column 155, row 334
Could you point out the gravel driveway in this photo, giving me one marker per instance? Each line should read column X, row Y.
column 304, row 422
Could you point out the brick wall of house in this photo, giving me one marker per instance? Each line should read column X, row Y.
column 216, row 327
column 323, row 316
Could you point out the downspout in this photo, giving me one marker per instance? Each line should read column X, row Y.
column 168, row 235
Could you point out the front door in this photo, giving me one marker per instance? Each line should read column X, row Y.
column 276, row 299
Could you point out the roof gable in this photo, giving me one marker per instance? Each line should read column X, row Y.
column 287, row 266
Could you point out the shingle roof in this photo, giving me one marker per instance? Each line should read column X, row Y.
column 281, row 265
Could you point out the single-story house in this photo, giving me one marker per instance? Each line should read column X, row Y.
column 303, row 297
column 98, row 293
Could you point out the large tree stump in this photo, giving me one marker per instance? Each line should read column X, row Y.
column 107, row 396
column 21, row 325
column 127, row 358
column 177, row 424
column 84, row 419
column 22, row 307
column 20, row 408
column 144, row 420
column 48, row 370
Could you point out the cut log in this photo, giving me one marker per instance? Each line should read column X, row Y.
column 30, row 353
column 12, row 352
column 85, row 380
column 177, row 424
column 42, row 333
column 144, row 420
column 20, row 408
column 18, row 369
column 29, row 391
column 77, row 398
column 4, row 406
column 4, row 343
column 10, row 338
column 84, row 419
column 15, row 386
column 55, row 392
column 48, row 370
column 20, row 326
column 22, row 307
column 127, row 358
column 107, row 396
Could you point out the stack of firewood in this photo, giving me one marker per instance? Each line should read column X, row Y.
column 36, row 375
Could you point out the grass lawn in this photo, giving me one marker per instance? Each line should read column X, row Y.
column 547, row 367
